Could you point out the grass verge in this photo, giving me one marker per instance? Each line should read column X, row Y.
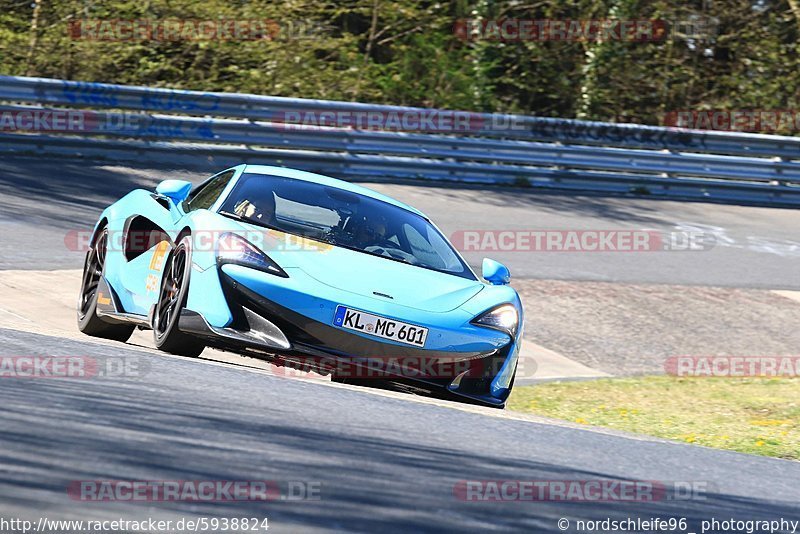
column 752, row 415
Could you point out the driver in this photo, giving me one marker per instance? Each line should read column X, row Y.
column 245, row 208
column 264, row 213
column 371, row 233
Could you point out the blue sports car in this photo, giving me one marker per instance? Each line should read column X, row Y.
column 306, row 271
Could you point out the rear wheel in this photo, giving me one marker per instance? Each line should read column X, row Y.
column 93, row 268
column 171, row 300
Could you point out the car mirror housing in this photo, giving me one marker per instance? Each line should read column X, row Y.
column 495, row 272
column 175, row 190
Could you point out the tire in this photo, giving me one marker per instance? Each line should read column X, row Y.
column 93, row 270
column 172, row 295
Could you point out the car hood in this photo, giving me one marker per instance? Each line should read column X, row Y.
column 373, row 276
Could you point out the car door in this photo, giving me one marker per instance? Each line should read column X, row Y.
column 150, row 235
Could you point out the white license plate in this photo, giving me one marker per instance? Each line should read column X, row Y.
column 375, row 325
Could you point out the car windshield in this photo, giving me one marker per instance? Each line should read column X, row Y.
column 344, row 219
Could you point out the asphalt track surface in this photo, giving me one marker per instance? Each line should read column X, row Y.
column 383, row 461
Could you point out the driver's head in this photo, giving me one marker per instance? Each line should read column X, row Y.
column 378, row 229
column 264, row 212
column 245, row 208
column 371, row 231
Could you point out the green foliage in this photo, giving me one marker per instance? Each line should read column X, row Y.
column 755, row 415
column 407, row 52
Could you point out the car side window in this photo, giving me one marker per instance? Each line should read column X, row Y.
column 208, row 193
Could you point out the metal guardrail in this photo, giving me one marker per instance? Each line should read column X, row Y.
column 136, row 122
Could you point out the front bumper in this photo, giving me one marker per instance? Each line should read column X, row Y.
column 261, row 326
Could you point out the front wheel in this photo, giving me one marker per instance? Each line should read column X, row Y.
column 171, row 300
column 93, row 269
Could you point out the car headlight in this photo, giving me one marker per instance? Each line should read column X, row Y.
column 504, row 318
column 232, row 248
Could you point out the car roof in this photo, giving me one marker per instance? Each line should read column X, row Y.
column 285, row 172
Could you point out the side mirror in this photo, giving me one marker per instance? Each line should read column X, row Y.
column 495, row 272
column 175, row 190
